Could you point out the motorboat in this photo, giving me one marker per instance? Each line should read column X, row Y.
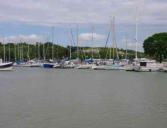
column 147, row 65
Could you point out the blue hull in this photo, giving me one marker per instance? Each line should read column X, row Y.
column 48, row 65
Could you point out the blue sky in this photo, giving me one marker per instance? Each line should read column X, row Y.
column 32, row 20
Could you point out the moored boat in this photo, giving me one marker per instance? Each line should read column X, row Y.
column 48, row 65
column 6, row 66
column 146, row 65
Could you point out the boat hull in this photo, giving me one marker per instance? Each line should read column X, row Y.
column 48, row 65
column 106, row 67
column 6, row 66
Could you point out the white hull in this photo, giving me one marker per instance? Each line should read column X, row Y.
column 56, row 66
column 35, row 65
column 146, row 69
column 105, row 67
column 69, row 66
column 85, row 66
column 164, row 69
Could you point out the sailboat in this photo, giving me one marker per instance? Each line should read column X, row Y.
column 111, row 64
column 5, row 66
column 88, row 63
column 50, row 64
column 132, row 67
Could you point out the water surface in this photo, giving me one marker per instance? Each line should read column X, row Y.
column 55, row 98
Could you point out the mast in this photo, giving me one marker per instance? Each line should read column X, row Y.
column 112, row 42
column 4, row 52
column 18, row 51
column 114, row 38
column 15, row 51
column 52, row 43
column 28, row 52
column 20, row 47
column 44, row 51
column 92, row 40
column 71, row 40
column 126, row 41
column 57, row 51
column 70, row 51
column 38, row 51
column 9, row 51
column 22, row 53
column 136, row 37
column 77, row 44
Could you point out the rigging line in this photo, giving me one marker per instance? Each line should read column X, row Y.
column 72, row 36
column 107, row 53
column 107, row 40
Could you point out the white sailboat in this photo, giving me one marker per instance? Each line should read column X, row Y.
column 5, row 66
column 131, row 67
column 111, row 64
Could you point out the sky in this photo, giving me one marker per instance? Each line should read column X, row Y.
column 32, row 20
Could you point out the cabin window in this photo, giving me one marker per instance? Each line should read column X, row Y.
column 143, row 64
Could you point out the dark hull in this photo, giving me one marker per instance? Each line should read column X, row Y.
column 7, row 65
column 48, row 65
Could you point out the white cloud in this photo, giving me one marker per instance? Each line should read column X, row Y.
column 82, row 11
column 23, row 38
column 133, row 46
column 87, row 37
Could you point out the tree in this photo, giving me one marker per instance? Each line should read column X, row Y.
column 156, row 46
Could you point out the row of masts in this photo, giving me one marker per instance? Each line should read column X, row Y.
column 114, row 47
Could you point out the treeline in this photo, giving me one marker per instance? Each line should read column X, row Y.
column 25, row 51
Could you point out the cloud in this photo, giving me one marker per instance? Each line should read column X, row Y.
column 23, row 38
column 133, row 46
column 44, row 12
column 87, row 37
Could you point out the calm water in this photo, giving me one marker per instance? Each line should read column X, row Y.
column 44, row 98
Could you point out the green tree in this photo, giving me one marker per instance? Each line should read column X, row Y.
column 156, row 46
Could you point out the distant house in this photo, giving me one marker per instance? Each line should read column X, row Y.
column 90, row 50
column 121, row 52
